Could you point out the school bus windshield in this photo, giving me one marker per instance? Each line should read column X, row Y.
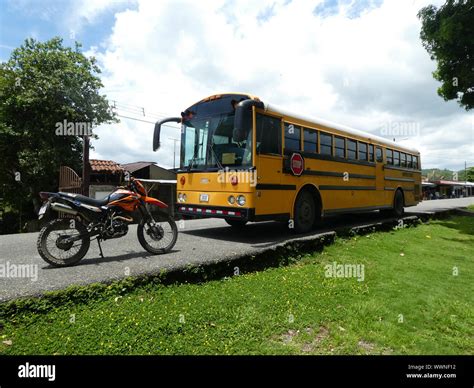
column 207, row 136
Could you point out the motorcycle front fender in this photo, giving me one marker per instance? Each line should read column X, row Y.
column 156, row 202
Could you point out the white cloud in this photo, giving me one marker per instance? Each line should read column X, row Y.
column 86, row 12
column 364, row 72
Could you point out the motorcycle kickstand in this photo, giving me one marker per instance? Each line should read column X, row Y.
column 100, row 248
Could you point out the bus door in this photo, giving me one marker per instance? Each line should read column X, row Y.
column 379, row 175
column 269, row 166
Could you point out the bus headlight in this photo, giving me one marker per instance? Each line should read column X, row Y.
column 231, row 199
column 182, row 197
column 241, row 200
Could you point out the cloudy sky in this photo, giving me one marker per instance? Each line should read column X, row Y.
column 359, row 63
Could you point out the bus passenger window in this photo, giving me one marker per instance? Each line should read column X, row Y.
column 389, row 156
column 268, row 135
column 415, row 162
column 351, row 149
column 340, row 145
column 371, row 153
column 326, row 144
column 292, row 137
column 396, row 158
column 409, row 161
column 403, row 160
column 310, row 141
column 379, row 154
column 362, row 151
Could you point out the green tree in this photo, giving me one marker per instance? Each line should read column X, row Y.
column 467, row 175
column 447, row 34
column 43, row 84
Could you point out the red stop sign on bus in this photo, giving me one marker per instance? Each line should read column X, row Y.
column 296, row 164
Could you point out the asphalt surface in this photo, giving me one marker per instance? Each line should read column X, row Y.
column 199, row 242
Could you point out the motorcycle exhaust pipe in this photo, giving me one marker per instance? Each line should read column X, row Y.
column 59, row 207
column 127, row 219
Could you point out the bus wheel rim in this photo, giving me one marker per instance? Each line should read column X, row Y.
column 305, row 215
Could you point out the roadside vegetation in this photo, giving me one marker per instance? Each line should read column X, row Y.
column 415, row 298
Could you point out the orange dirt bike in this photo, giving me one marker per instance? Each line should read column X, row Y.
column 65, row 241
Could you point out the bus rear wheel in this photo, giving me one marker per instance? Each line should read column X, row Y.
column 398, row 206
column 236, row 223
column 398, row 202
column 305, row 212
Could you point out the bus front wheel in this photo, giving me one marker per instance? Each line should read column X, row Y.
column 305, row 212
column 236, row 223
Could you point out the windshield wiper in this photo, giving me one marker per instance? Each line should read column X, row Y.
column 219, row 164
column 192, row 162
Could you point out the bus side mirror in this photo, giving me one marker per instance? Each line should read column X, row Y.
column 243, row 119
column 157, row 131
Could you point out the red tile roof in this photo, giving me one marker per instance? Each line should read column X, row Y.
column 107, row 166
column 132, row 167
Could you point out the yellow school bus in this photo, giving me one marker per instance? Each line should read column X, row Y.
column 243, row 160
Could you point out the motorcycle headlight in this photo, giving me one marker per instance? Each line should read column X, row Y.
column 231, row 199
column 241, row 200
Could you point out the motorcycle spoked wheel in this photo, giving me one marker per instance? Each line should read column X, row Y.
column 158, row 237
column 54, row 250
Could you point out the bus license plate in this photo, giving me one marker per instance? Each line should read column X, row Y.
column 204, row 198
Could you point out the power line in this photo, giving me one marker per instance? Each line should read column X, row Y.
column 135, row 119
column 135, row 109
column 145, row 121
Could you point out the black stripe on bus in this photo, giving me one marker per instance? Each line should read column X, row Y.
column 332, row 173
column 338, row 174
column 401, row 169
column 324, row 187
column 310, row 155
column 274, row 186
column 390, row 178
column 394, row 188
column 271, row 217
column 355, row 209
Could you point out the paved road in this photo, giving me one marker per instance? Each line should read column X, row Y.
column 201, row 241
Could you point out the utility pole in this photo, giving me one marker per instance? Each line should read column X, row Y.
column 174, row 151
column 85, row 167
column 465, row 190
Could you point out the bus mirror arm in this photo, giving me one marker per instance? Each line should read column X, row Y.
column 243, row 118
column 157, row 131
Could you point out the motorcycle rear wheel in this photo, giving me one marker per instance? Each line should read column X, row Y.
column 79, row 247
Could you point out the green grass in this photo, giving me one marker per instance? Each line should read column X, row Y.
column 471, row 207
column 410, row 302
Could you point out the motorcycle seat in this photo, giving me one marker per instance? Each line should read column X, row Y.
column 86, row 200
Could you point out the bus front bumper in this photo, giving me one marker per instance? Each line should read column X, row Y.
column 197, row 211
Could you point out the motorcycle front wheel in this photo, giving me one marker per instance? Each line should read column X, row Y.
column 53, row 246
column 157, row 237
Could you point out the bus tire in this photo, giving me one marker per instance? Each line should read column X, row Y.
column 398, row 204
column 305, row 212
column 397, row 209
column 236, row 223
